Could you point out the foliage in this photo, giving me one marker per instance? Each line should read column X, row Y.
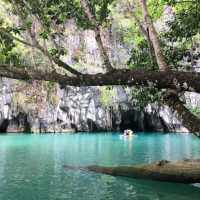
column 195, row 110
column 156, row 8
column 106, row 96
column 31, row 98
column 23, row 101
column 51, row 93
column 6, row 47
column 141, row 97
column 131, row 37
column 183, row 31
column 11, row 52
column 177, row 39
column 57, row 12
column 140, row 56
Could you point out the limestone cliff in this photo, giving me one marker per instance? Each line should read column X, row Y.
column 81, row 109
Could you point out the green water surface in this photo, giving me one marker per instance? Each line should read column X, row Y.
column 31, row 166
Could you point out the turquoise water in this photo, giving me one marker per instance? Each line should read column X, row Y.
column 31, row 166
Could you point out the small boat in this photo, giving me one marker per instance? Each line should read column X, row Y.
column 128, row 132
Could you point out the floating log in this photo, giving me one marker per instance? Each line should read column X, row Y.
column 184, row 171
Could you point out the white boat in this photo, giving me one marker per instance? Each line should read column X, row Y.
column 128, row 132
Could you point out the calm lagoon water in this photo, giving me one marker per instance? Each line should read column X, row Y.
column 31, row 166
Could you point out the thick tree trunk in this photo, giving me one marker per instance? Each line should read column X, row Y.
column 146, row 35
column 187, row 171
column 97, row 30
column 189, row 120
column 154, row 38
column 103, row 50
column 182, row 81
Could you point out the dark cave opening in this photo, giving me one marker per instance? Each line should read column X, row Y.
column 4, row 126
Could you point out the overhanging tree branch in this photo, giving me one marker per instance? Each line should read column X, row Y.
column 2, row 30
column 181, row 81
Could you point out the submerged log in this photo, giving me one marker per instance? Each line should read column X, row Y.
column 185, row 171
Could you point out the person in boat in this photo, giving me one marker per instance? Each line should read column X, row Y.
column 128, row 132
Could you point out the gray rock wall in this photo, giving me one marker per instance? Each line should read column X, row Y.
column 80, row 109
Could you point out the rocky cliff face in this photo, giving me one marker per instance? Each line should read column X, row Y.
column 80, row 109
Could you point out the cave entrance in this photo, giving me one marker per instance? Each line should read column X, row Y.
column 4, row 126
